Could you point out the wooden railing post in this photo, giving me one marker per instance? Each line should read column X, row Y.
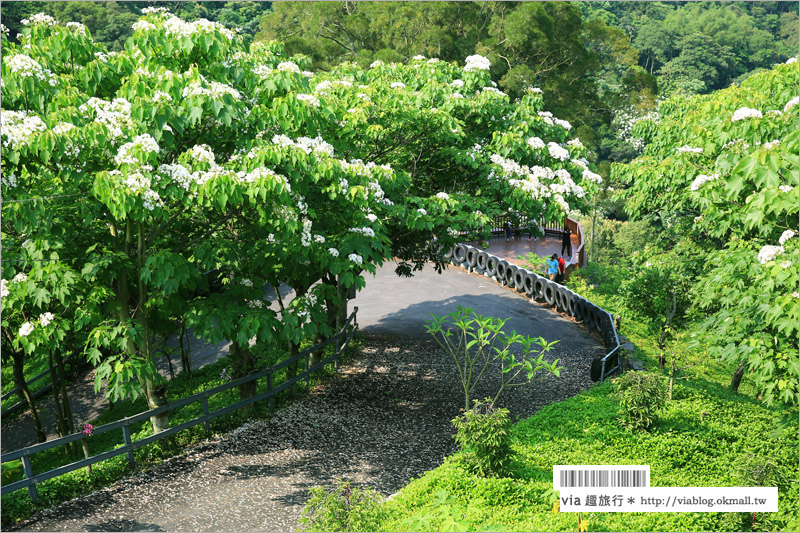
column 206, row 423
column 28, row 469
column 126, row 435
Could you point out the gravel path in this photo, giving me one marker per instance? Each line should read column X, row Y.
column 380, row 421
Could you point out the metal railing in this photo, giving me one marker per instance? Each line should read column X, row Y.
column 520, row 225
column 342, row 340
column 541, row 289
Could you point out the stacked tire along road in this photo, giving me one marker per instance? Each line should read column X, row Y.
column 541, row 289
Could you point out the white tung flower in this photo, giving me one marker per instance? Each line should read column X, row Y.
column 443, row 195
column 786, row 235
column 791, row 103
column 46, row 318
column 143, row 25
column 288, row 66
column 768, row 253
column 701, row 180
column 745, row 112
column 40, row 18
column 557, row 152
column 397, row 85
column 422, row 211
column 476, row 62
column 376, row 63
column 355, row 258
column 536, row 142
column 21, row 277
column 334, row 252
column 4, row 288
column 687, row 148
column 457, row 84
column 309, row 98
column 785, row 188
column 161, row 96
column 26, row 329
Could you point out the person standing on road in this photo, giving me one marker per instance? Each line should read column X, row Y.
column 566, row 242
column 507, row 227
column 552, row 267
column 562, row 267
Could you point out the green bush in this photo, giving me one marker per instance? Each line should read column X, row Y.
column 641, row 395
column 342, row 508
column 484, row 434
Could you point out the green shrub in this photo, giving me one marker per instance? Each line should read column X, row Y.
column 484, row 434
column 342, row 508
column 641, row 395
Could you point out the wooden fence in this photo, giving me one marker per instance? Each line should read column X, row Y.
column 342, row 340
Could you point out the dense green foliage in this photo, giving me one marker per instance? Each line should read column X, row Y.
column 701, row 438
column 343, row 507
column 718, row 183
column 483, row 433
column 641, row 395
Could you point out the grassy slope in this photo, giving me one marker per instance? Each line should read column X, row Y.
column 697, row 441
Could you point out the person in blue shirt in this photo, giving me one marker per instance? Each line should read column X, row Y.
column 552, row 267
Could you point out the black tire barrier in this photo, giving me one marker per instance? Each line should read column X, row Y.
column 597, row 314
column 472, row 256
column 597, row 369
column 569, row 303
column 449, row 253
column 460, row 253
column 580, row 308
column 500, row 273
column 519, row 279
column 557, row 298
column 491, row 265
column 530, row 282
column 538, row 288
column 549, row 291
column 511, row 269
column 481, row 260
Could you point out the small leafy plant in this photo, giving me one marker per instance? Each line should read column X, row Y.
column 484, row 434
column 641, row 395
column 342, row 508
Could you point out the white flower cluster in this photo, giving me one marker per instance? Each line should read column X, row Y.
column 422, row 211
column 536, row 143
column 457, row 84
column 21, row 277
column 26, row 329
column 772, row 144
column 263, row 172
column 785, row 236
column 591, row 176
column 476, row 62
column 202, row 153
column 143, row 25
column 734, row 142
column 397, row 85
column 334, row 252
column 18, row 127
column 492, row 90
column 27, row 67
column 769, row 253
column 40, row 19
column 745, row 112
column 557, row 151
column 686, row 148
column 306, row 144
column 4, row 288
column 418, row 57
column 63, row 127
column 305, row 234
column 376, row 63
column 563, row 123
column 701, row 180
column 443, row 195
column 215, row 90
column 151, row 10
column 78, row 27
column 372, row 217
column 255, row 304
column 8, row 179
column 575, row 143
column 309, row 98
column 161, row 96
column 534, row 90
column 365, row 231
column 288, row 66
column 355, row 258
column 791, row 103
column 791, row 60
column 786, row 188
column 178, row 28
column 144, row 142
column 325, row 85
column 113, row 115
column 456, row 95
column 319, row 239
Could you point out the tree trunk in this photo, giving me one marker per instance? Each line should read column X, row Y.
column 22, row 386
column 737, row 378
column 316, row 356
column 156, row 396
column 186, row 358
column 62, row 378
column 291, row 370
column 61, row 426
column 243, row 364
column 671, row 378
column 341, row 316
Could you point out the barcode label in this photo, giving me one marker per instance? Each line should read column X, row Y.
column 578, row 476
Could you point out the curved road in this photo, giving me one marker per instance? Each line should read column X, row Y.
column 383, row 420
